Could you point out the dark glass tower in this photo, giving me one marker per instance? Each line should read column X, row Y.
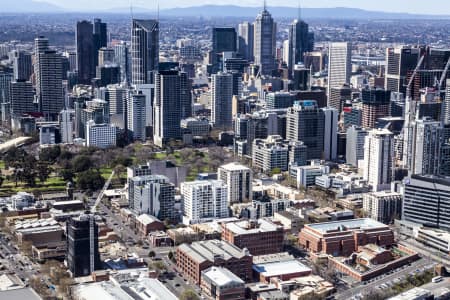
column 144, row 50
column 224, row 39
column 85, row 52
column 299, row 43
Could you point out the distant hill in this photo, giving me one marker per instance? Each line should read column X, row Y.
column 28, row 6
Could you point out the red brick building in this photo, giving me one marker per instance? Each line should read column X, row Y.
column 259, row 237
column 147, row 223
column 342, row 238
column 193, row 258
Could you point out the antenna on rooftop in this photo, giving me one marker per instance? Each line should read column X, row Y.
column 157, row 15
column 131, row 9
column 299, row 10
column 265, row 5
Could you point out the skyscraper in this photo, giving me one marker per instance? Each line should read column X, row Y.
column 100, row 34
column 136, row 116
column 305, row 122
column 399, row 61
column 330, row 142
column 21, row 97
column 23, row 67
column 379, row 159
column 238, row 179
column 173, row 102
column 82, row 245
column 123, row 59
column 5, row 82
column 299, row 43
column 375, row 104
column 355, row 145
column 224, row 39
column 339, row 64
column 246, row 39
column 48, row 73
column 221, row 96
column 445, row 110
column 144, row 50
column 86, row 52
column 265, row 42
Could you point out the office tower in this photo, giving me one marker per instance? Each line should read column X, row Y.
column 153, row 195
column 238, row 180
column 21, row 97
column 204, row 200
column 445, row 110
column 271, row 153
column 301, row 78
column 23, row 68
column 224, row 39
column 123, row 59
column 298, row 153
column 82, row 245
column 375, row 104
column 429, row 137
column 379, row 159
column 66, row 122
column 144, row 50
column 314, row 61
column 299, row 43
column 136, row 116
column 105, row 56
column 356, row 137
column 330, row 142
column 383, row 206
column 134, row 171
column 400, row 61
column 352, row 114
column 48, row 73
column 245, row 40
column 173, row 102
column 339, row 65
column 117, row 99
column 221, row 96
column 101, row 135
column 397, row 108
column 265, row 42
column 107, row 74
column 86, row 52
column 339, row 96
column 426, row 201
column 72, row 57
column 5, row 82
column 305, row 122
column 100, row 35
column 279, row 100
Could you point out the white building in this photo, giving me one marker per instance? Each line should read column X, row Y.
column 379, row 159
column 238, row 179
column 100, row 135
column 137, row 115
column 383, row 206
column 339, row 64
column 66, row 125
column 221, row 96
column 306, row 175
column 204, row 200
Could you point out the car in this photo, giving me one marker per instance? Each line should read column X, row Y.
column 177, row 284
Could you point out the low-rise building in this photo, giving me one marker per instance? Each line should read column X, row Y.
column 281, row 266
column 147, row 223
column 259, row 237
column 416, row 293
column 221, row 284
column 305, row 176
column 290, row 221
column 193, row 258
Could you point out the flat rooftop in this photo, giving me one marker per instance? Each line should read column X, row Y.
column 282, row 267
column 207, row 250
column 249, row 227
column 345, row 225
column 221, row 276
column 234, row 167
column 20, row 294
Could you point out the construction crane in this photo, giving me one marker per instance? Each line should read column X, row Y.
column 444, row 75
column 92, row 222
column 410, row 113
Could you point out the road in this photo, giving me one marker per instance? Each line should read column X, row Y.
column 425, row 251
column 370, row 286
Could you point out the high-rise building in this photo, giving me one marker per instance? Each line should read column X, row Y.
column 23, row 68
column 101, row 135
column 100, row 34
column 426, row 201
column 383, row 206
column 221, row 96
column 299, row 43
column 279, row 100
column 123, row 59
column 339, row 65
column 144, row 50
column 339, row 96
column 204, row 200
column 136, row 116
column 265, row 30
column 86, row 52
column 49, row 85
column 66, row 124
column 106, row 56
column 5, row 81
column 356, row 137
column 224, row 39
column 445, row 110
column 173, row 102
column 82, row 245
column 238, row 179
column 379, row 159
column 153, row 195
column 305, row 122
column 117, row 99
column 107, row 74
column 245, row 40
column 399, row 61
column 375, row 104
column 21, row 97
column 330, row 142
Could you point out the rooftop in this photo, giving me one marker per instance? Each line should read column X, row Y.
column 250, row 227
column 147, row 219
column 279, row 268
column 221, row 276
column 211, row 249
column 234, row 166
column 345, row 225
column 20, row 294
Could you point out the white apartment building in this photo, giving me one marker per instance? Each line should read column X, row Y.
column 238, row 179
column 100, row 135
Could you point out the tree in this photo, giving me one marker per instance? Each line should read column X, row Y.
column 67, row 174
column 43, row 171
column 151, row 254
column 50, row 154
column 189, row 295
column 275, row 171
column 90, row 180
column 81, row 163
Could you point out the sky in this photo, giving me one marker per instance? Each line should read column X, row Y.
column 409, row 6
